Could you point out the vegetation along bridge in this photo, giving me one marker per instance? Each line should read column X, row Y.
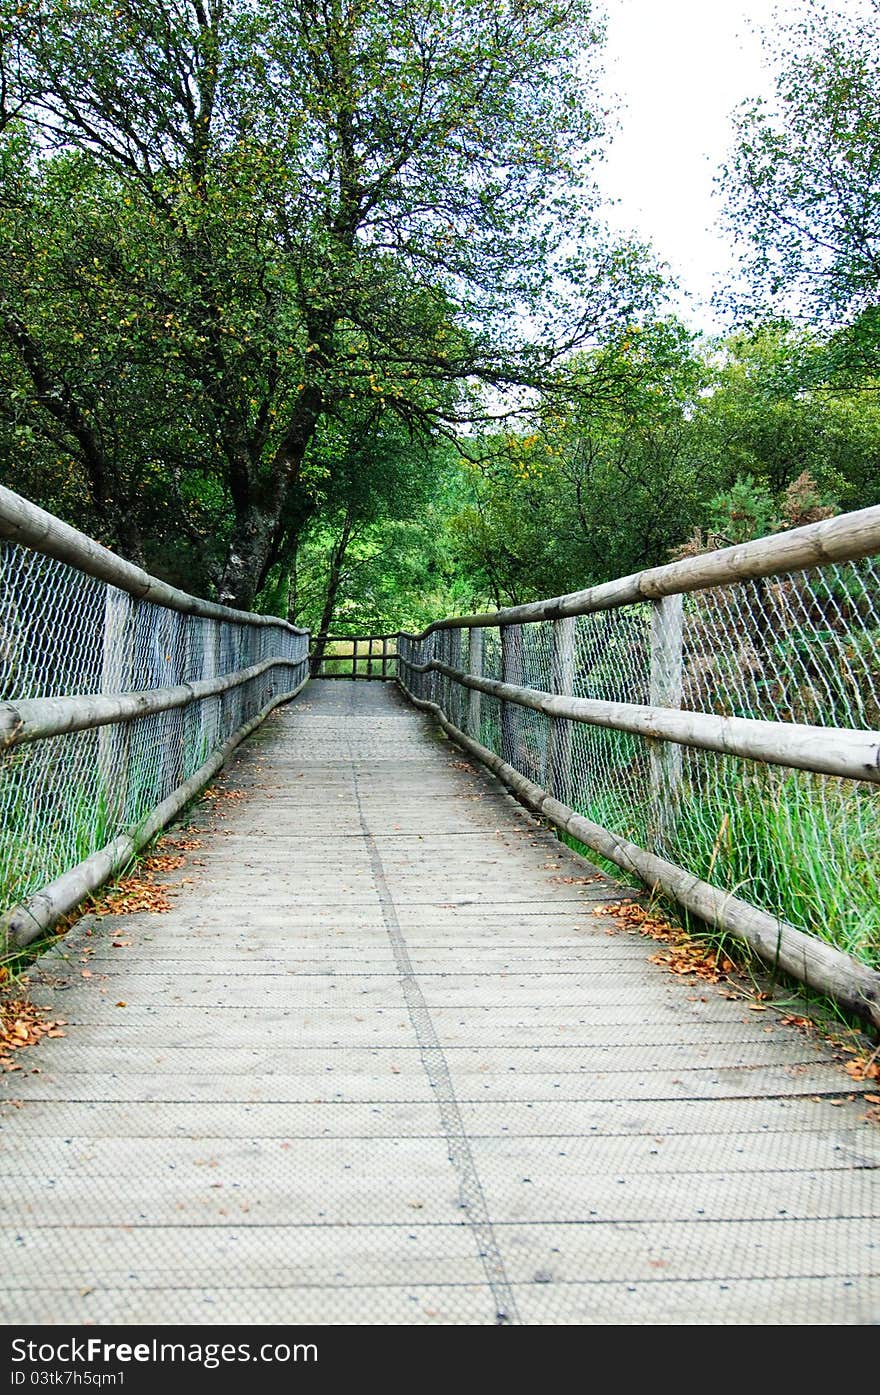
column 379, row 1046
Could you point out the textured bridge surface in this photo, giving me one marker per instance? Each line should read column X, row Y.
column 382, row 1063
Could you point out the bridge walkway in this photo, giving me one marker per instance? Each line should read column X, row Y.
column 386, row 1060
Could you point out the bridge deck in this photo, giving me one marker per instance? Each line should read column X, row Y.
column 382, row 1063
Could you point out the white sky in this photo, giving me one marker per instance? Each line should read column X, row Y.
column 678, row 69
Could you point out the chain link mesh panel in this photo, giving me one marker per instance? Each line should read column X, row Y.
column 67, row 634
column 803, row 647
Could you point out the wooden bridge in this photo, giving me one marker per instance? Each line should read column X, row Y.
column 388, row 1060
column 377, row 1047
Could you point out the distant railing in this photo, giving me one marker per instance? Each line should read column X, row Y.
column 710, row 726
column 120, row 698
column 355, row 656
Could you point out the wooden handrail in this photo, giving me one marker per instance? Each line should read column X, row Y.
column 25, row 523
column 846, row 752
column 845, row 538
column 383, row 659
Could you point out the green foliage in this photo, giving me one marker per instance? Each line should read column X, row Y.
column 259, row 261
column 388, row 561
column 745, row 510
column 802, row 188
column 234, row 223
column 604, row 484
column 796, row 846
column 773, row 410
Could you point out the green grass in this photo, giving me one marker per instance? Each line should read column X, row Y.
column 44, row 835
column 799, row 846
column 51, row 824
column 55, row 816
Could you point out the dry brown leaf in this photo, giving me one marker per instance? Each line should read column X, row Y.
column 163, row 863
column 217, row 796
column 863, row 1069
column 22, row 1024
column 137, row 893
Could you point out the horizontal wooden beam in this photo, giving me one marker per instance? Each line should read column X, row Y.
column 23, row 522
column 361, row 639
column 845, row 538
column 362, row 677
column 34, row 719
column 855, row 986
column 848, row 752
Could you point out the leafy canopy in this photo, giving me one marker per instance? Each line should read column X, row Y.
column 802, row 184
column 274, row 214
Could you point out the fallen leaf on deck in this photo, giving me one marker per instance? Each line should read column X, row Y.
column 22, row 1024
column 863, row 1069
column 134, row 894
column 163, row 863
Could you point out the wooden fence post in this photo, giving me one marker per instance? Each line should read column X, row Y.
column 455, row 691
column 511, row 672
column 439, row 682
column 667, row 619
column 171, row 639
column 428, row 679
column 225, row 664
column 211, row 710
column 114, row 741
column 432, row 677
column 563, row 653
column 475, row 668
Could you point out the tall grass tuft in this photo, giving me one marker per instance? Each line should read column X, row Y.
column 802, row 847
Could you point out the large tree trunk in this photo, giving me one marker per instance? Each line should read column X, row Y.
column 249, row 547
column 261, row 533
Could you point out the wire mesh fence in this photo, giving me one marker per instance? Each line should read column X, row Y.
column 70, row 644
column 801, row 647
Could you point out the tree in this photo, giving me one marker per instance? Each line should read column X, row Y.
column 103, row 417
column 296, row 208
column 605, row 484
column 803, row 184
column 771, row 413
column 374, row 475
column 741, row 436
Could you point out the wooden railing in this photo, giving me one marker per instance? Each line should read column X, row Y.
column 355, row 656
column 120, row 699
column 695, row 680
